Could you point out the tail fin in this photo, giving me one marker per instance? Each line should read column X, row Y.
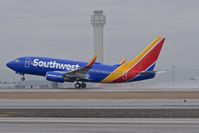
column 149, row 55
column 145, row 61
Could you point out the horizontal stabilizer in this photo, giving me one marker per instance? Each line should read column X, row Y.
column 152, row 72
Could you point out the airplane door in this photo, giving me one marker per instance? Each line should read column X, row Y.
column 27, row 63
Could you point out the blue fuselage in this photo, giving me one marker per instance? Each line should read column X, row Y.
column 41, row 65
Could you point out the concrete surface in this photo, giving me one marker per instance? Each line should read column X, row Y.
column 99, row 104
column 100, row 89
column 106, row 125
column 100, row 95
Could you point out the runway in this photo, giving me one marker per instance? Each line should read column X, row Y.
column 105, row 125
column 100, row 95
column 95, row 104
column 99, row 104
column 100, row 89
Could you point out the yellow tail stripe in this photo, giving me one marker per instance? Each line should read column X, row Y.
column 127, row 66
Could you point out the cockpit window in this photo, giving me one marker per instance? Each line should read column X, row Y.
column 17, row 60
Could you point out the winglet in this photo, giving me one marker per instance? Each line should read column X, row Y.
column 92, row 61
column 122, row 61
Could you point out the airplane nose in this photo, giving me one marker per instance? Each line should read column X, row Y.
column 9, row 64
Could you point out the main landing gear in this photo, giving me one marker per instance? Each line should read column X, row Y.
column 80, row 85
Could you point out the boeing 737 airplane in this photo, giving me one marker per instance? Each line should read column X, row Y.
column 58, row 70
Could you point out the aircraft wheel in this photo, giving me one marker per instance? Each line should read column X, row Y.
column 83, row 85
column 23, row 78
column 77, row 85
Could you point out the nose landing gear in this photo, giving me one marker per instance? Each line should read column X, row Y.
column 80, row 85
column 23, row 78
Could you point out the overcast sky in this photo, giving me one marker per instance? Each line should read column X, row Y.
column 62, row 29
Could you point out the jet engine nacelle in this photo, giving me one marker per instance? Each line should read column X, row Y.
column 55, row 77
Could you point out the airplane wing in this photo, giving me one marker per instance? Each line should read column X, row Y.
column 152, row 72
column 79, row 73
column 71, row 76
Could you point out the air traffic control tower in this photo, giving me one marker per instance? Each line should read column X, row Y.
column 98, row 21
